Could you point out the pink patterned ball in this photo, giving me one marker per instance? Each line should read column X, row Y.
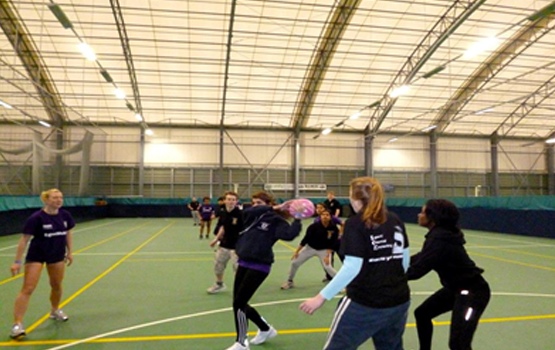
column 301, row 208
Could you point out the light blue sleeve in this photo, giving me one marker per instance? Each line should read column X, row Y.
column 406, row 258
column 350, row 269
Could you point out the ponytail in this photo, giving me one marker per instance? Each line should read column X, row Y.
column 370, row 192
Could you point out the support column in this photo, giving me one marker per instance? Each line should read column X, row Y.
column 550, row 157
column 368, row 155
column 221, row 171
column 59, row 160
column 494, row 181
column 433, row 164
column 296, row 167
column 141, row 161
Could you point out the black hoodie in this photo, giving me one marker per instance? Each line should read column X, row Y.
column 443, row 252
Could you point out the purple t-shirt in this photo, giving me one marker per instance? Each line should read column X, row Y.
column 206, row 211
column 49, row 235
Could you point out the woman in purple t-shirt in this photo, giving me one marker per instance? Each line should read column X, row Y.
column 49, row 233
column 207, row 214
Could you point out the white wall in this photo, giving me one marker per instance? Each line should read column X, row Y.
column 200, row 148
column 407, row 153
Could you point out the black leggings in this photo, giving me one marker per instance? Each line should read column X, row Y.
column 467, row 306
column 246, row 283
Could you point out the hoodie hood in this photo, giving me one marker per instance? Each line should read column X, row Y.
column 454, row 236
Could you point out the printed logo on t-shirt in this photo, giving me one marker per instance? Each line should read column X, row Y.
column 47, row 227
column 398, row 241
column 379, row 242
column 264, row 226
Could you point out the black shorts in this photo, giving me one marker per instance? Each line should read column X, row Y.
column 42, row 257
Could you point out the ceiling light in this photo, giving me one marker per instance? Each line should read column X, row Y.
column 120, row 94
column 149, row 132
column 393, row 139
column 485, row 44
column 45, row 124
column 544, row 12
column 5, row 105
column 60, row 15
column 326, row 131
column 431, row 127
column 87, row 51
column 433, row 72
column 551, row 140
column 106, row 76
column 356, row 115
column 485, row 110
column 139, row 117
column 399, row 91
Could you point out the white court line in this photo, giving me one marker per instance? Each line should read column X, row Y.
column 167, row 320
column 489, row 236
column 76, row 231
column 504, row 294
column 508, row 246
column 227, row 309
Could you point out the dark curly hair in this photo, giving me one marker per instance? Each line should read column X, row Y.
column 443, row 213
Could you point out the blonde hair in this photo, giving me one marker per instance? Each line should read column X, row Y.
column 46, row 194
column 370, row 192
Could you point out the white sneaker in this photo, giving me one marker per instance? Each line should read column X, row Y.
column 239, row 346
column 18, row 331
column 287, row 285
column 261, row 336
column 216, row 288
column 59, row 315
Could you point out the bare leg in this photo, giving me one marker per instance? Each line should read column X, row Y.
column 56, row 274
column 30, row 280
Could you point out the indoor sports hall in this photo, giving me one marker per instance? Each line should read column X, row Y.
column 133, row 109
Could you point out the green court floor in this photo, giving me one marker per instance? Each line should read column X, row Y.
column 141, row 284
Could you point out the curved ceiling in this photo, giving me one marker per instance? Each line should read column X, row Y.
column 283, row 64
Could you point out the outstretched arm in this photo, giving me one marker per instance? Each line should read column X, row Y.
column 350, row 269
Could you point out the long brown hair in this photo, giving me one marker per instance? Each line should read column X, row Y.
column 264, row 196
column 370, row 192
column 269, row 200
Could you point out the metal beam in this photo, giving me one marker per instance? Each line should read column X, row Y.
column 542, row 93
column 124, row 39
column 321, row 58
column 494, row 181
column 455, row 15
column 31, row 59
column 369, row 155
column 517, row 44
column 433, row 164
column 549, row 158
column 224, row 96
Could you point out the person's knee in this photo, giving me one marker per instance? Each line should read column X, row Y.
column 421, row 313
column 56, row 285
column 27, row 290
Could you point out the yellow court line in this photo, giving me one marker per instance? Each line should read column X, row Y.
column 13, row 278
column 515, row 262
column 109, row 239
column 88, row 285
column 526, row 253
column 229, row 334
column 287, row 245
column 171, row 259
